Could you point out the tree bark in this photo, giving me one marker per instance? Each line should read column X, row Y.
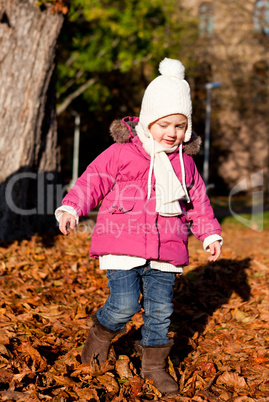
column 28, row 140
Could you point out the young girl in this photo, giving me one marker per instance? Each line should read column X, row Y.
column 150, row 189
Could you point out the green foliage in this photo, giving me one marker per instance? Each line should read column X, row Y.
column 109, row 39
column 115, row 46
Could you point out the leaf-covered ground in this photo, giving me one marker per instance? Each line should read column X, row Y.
column 50, row 287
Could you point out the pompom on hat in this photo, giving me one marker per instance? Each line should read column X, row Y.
column 167, row 94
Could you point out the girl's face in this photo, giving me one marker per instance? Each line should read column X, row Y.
column 169, row 130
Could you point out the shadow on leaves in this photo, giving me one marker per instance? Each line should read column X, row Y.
column 201, row 292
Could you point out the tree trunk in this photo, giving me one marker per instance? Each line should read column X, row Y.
column 29, row 155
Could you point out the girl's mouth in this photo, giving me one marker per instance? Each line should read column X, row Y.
column 170, row 142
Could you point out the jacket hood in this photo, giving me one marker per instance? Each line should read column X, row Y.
column 123, row 131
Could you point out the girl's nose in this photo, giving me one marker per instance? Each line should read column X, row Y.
column 172, row 132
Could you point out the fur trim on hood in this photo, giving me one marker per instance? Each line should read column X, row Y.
column 123, row 130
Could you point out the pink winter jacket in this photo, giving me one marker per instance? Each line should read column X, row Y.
column 127, row 223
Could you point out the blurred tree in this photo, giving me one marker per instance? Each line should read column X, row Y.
column 28, row 35
column 236, row 50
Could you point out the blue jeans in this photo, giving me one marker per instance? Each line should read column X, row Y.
column 123, row 302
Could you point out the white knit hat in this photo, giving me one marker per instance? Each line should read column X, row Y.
column 167, row 94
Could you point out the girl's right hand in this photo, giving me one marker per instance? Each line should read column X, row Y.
column 67, row 221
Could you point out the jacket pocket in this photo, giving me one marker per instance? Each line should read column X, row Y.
column 123, row 208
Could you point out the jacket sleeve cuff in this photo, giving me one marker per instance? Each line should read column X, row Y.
column 210, row 239
column 66, row 208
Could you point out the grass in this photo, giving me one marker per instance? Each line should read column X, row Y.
column 242, row 212
column 255, row 222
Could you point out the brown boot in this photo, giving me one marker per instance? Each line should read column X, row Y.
column 98, row 342
column 153, row 367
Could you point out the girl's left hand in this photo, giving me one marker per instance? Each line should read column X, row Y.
column 215, row 250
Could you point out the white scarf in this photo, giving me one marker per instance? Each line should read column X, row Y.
column 168, row 188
